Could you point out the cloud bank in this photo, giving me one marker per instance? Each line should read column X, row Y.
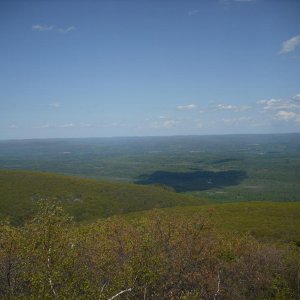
column 283, row 115
column 278, row 104
column 234, row 108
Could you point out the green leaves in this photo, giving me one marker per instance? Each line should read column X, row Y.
column 161, row 255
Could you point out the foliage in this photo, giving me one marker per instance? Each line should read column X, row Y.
column 161, row 255
column 84, row 199
column 276, row 222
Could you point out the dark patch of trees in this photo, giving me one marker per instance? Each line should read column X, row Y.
column 194, row 181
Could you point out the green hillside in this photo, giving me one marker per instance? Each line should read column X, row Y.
column 85, row 199
column 267, row 221
column 88, row 199
column 182, row 250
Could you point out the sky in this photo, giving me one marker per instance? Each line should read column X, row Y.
column 148, row 67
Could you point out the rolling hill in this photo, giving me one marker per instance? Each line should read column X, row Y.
column 85, row 199
column 277, row 222
column 89, row 199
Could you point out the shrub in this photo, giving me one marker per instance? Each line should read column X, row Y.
column 157, row 256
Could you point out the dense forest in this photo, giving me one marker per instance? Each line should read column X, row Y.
column 157, row 255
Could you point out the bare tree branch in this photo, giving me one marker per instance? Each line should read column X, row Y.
column 49, row 277
column 120, row 293
column 218, row 287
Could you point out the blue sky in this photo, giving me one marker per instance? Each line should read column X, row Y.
column 139, row 68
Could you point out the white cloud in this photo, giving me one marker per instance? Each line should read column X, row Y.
column 283, row 115
column 225, row 106
column 66, row 30
column 169, row 123
column 296, row 97
column 164, row 122
column 237, row 121
column 235, row 108
column 193, row 12
column 186, row 107
column 290, row 45
column 12, row 126
column 39, row 27
column 278, row 104
column 43, row 126
column 55, row 105
column 84, row 125
column 68, row 125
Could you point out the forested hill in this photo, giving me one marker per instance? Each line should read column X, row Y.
column 85, row 199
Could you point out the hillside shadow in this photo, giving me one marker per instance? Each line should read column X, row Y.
column 193, row 181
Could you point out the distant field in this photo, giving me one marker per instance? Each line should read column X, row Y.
column 229, row 168
column 85, row 199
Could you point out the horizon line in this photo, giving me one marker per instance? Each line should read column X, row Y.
column 146, row 136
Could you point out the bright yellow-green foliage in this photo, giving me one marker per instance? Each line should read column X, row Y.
column 161, row 255
column 85, row 199
column 267, row 221
column 182, row 250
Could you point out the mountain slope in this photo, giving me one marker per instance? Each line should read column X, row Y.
column 85, row 199
column 267, row 221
